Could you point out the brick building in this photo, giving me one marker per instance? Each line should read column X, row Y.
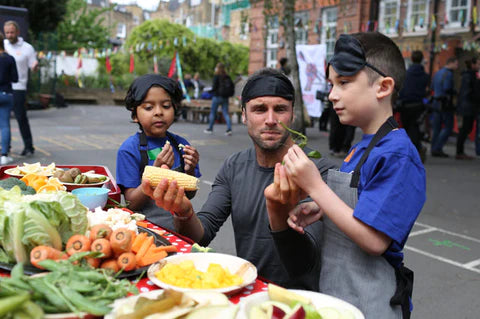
column 438, row 28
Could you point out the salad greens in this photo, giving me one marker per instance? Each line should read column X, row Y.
column 27, row 221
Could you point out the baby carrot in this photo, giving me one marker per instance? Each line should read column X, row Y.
column 168, row 248
column 102, row 245
column 100, row 231
column 94, row 262
column 127, row 261
column 110, row 264
column 121, row 241
column 77, row 243
column 40, row 253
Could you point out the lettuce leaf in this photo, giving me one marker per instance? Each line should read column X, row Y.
column 40, row 230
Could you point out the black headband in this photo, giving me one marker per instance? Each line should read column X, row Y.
column 141, row 85
column 268, row 85
column 349, row 57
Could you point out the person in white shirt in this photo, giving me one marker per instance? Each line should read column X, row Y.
column 25, row 58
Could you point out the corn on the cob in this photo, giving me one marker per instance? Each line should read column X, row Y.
column 156, row 174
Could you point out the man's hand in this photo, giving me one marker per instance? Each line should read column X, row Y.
column 191, row 158
column 165, row 157
column 169, row 196
column 303, row 215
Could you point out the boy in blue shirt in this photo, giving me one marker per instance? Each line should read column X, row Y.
column 153, row 101
column 369, row 206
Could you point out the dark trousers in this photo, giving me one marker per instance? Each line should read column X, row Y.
column 467, row 126
column 410, row 122
column 341, row 136
column 19, row 98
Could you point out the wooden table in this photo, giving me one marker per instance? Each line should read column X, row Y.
column 198, row 110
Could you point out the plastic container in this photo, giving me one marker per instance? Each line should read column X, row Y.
column 92, row 197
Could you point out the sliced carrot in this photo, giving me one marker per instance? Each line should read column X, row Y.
column 102, row 245
column 127, row 261
column 142, row 223
column 168, row 248
column 121, row 241
column 151, row 258
column 78, row 243
column 110, row 264
column 137, row 243
column 145, row 246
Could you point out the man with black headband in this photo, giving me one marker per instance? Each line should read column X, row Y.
column 368, row 207
column 267, row 100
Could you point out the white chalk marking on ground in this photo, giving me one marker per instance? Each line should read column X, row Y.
column 421, row 232
column 472, row 264
column 450, row 232
column 208, row 183
column 442, row 259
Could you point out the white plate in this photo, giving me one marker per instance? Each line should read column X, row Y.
column 201, row 262
column 318, row 300
column 14, row 172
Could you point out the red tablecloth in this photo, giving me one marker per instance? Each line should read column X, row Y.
column 184, row 247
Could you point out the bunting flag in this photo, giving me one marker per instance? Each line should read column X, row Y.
column 474, row 15
column 397, row 24
column 461, row 18
column 108, row 66
column 132, row 63
column 434, row 22
column 173, row 66
column 375, row 26
column 405, row 25
column 446, row 17
column 180, row 78
column 80, row 62
column 155, row 65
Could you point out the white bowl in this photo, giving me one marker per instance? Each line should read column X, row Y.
column 319, row 300
column 248, row 272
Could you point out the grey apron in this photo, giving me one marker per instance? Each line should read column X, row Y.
column 349, row 273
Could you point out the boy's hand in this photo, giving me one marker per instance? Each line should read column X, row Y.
column 303, row 215
column 191, row 158
column 301, row 170
column 165, row 157
column 168, row 196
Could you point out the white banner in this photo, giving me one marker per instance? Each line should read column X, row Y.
column 311, row 67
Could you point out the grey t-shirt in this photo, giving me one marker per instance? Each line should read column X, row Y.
column 238, row 191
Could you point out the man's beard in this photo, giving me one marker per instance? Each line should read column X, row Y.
column 257, row 140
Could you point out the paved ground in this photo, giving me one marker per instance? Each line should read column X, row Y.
column 443, row 248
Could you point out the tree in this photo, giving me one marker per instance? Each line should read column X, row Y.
column 43, row 15
column 82, row 28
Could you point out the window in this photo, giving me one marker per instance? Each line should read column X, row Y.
column 389, row 17
column 301, row 27
column 121, row 31
column 272, row 41
column 417, row 15
column 458, row 13
column 329, row 29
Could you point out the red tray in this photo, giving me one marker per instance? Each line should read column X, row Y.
column 98, row 169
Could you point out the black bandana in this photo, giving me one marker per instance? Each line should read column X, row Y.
column 140, row 86
column 349, row 57
column 268, row 85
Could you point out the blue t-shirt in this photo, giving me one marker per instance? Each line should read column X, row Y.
column 391, row 190
column 129, row 158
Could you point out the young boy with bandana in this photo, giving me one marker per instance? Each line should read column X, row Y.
column 369, row 206
column 153, row 101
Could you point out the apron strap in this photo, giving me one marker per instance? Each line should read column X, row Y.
column 389, row 125
column 144, row 154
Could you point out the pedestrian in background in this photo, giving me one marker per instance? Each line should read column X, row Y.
column 198, row 86
column 222, row 89
column 26, row 59
column 443, row 106
column 8, row 74
column 410, row 104
column 468, row 105
column 284, row 68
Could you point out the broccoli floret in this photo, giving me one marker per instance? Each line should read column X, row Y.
column 8, row 183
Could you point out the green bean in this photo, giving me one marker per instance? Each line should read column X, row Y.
column 52, row 265
column 17, row 271
column 84, row 286
column 50, row 294
column 9, row 304
column 30, row 310
column 15, row 282
column 83, row 303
